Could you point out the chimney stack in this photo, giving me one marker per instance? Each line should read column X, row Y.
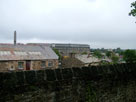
column 14, row 37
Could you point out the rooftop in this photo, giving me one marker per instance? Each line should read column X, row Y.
column 26, row 52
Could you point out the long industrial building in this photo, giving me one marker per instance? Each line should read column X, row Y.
column 67, row 49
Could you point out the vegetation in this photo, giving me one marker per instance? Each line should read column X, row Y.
column 97, row 54
column 108, row 53
column 57, row 52
column 130, row 56
column 115, row 59
column 84, row 53
column 133, row 11
column 91, row 95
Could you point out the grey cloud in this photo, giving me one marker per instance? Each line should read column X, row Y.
column 91, row 21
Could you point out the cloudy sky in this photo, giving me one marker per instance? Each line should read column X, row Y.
column 100, row 23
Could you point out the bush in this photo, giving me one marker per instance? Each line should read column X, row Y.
column 130, row 56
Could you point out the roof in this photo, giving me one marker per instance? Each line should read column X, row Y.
column 38, row 44
column 62, row 45
column 26, row 52
column 71, row 45
column 86, row 59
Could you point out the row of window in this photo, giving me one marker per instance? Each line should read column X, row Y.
column 72, row 48
column 19, row 53
column 43, row 64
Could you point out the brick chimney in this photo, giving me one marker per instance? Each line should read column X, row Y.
column 14, row 38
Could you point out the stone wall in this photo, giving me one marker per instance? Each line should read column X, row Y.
column 89, row 84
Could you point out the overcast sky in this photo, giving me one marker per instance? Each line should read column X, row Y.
column 100, row 23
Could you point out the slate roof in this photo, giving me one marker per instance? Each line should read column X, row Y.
column 71, row 45
column 26, row 52
column 86, row 59
column 62, row 45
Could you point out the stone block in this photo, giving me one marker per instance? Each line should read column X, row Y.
column 20, row 78
column 130, row 67
column 112, row 69
column 40, row 76
column 105, row 69
column 50, row 75
column 86, row 72
column 67, row 73
column 30, row 77
column 58, row 74
column 100, row 70
column 9, row 81
column 1, row 79
column 94, row 70
column 77, row 72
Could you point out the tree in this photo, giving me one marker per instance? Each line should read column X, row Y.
column 57, row 52
column 133, row 11
column 98, row 54
column 108, row 53
column 130, row 56
column 115, row 58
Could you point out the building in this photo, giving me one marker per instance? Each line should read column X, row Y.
column 67, row 49
column 26, row 57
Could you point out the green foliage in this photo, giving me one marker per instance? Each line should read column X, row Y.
column 84, row 53
column 115, row 59
column 130, row 56
column 57, row 52
column 108, row 53
column 119, row 51
column 98, row 54
column 133, row 11
column 91, row 95
column 105, row 63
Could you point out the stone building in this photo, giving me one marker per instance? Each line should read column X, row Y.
column 26, row 57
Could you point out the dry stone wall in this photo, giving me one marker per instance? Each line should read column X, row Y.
column 113, row 83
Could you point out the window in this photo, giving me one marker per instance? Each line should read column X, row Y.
column 20, row 65
column 50, row 63
column 12, row 68
column 43, row 64
column 20, row 53
column 35, row 53
column 2, row 53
